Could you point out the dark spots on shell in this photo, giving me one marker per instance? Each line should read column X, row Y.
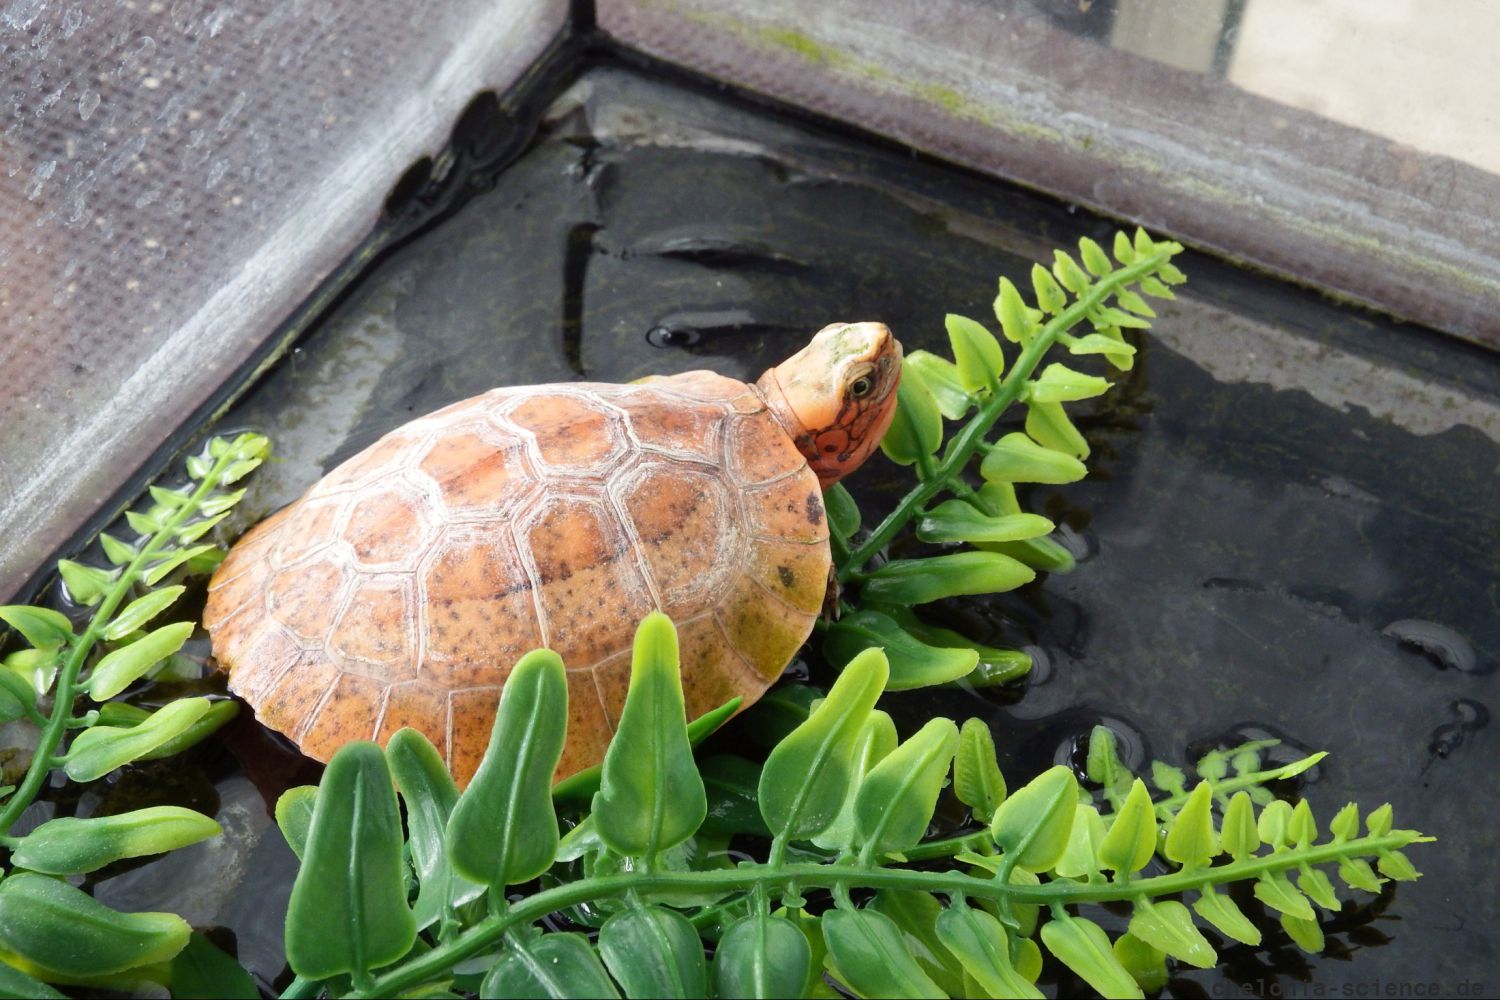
column 830, row 448
column 788, row 578
column 814, row 509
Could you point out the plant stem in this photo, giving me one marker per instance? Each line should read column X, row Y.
column 963, row 446
column 435, row 964
column 65, row 691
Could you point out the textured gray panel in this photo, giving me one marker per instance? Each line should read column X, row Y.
column 177, row 177
column 1146, row 111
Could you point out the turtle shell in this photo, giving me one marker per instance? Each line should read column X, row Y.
column 404, row 585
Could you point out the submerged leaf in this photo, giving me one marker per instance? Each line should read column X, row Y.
column 202, row 970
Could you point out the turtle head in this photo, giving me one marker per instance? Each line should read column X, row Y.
column 836, row 396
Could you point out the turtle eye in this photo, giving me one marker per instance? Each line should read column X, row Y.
column 861, row 387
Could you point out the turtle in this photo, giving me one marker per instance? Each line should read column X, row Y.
column 401, row 588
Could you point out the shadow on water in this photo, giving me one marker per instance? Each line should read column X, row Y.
column 1267, row 546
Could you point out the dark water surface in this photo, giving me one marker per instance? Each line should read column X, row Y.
column 1290, row 525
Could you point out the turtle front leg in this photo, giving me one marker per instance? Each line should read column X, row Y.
column 832, row 603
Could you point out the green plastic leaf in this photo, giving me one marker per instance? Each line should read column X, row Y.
column 1082, row 946
column 71, row 846
column 1131, row 840
column 1094, row 258
column 917, row 427
column 919, row 581
column 1357, row 874
column 959, row 521
column 213, row 506
column 1191, row 841
column 761, row 956
column 843, row 512
column 555, row 966
column 916, row 914
column 59, row 932
column 42, row 627
column 1302, row 829
column 977, row 780
column 202, row 970
column 1220, row 911
column 1130, row 300
column 1049, row 425
column 1049, row 295
column 943, row 380
column 159, row 571
column 876, row 741
column 116, row 551
column 1305, row 931
column 1080, row 859
column 348, row 911
column 896, row 799
column 97, row 751
column 1379, row 821
column 980, row 360
column 803, row 783
column 651, row 795
column 580, row 788
column 1345, row 824
column 294, row 812
column 1016, row 458
column 124, row 666
column 142, row 523
column 654, row 952
column 1104, row 766
column 85, row 584
column 1144, row 247
column 995, row 666
column 195, row 530
column 982, row 946
column 16, row 984
column 219, row 713
column 869, row 954
column 1397, row 866
column 429, row 793
column 1239, row 835
column 1010, row 310
column 1061, row 384
column 1033, row 824
column 1068, row 273
column 1275, row 819
column 1146, row 965
column 1042, row 554
column 1167, row 925
column 913, row 662
column 503, row 829
column 1277, row 892
column 17, row 696
column 1316, row 886
column 140, row 611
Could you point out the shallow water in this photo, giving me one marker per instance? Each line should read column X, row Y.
column 1289, row 527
